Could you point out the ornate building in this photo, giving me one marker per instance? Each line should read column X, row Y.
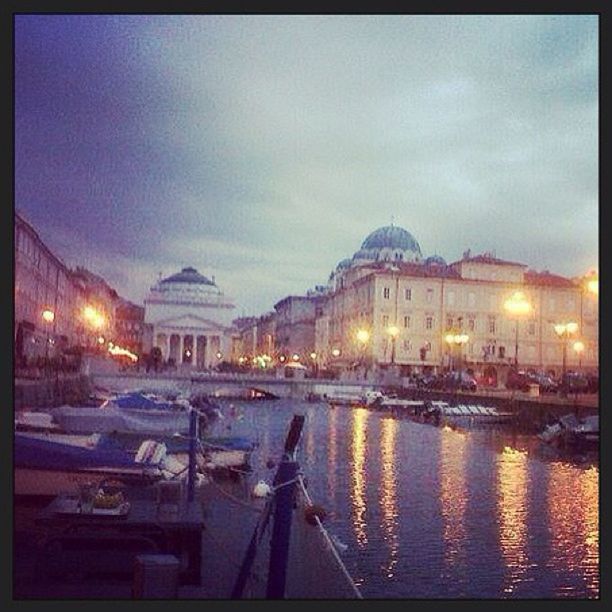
column 190, row 319
column 389, row 305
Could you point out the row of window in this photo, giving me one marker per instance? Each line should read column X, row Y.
column 555, row 303
column 470, row 325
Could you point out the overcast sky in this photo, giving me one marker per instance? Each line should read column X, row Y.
column 263, row 149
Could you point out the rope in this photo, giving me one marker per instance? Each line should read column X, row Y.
column 329, row 541
column 254, row 575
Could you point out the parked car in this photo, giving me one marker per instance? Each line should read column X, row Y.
column 459, row 380
column 573, row 382
column 546, row 383
column 518, row 380
column 593, row 383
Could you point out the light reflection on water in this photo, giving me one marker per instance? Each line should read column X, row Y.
column 388, row 497
column 358, row 474
column 511, row 509
column 453, row 494
column 433, row 513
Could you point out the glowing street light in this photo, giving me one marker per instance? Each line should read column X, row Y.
column 517, row 306
column 336, row 352
column 564, row 331
column 48, row 316
column 579, row 349
column 456, row 339
column 363, row 335
column 393, row 331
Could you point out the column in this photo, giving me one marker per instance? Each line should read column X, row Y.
column 194, row 352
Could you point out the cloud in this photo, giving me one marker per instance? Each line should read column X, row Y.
column 264, row 149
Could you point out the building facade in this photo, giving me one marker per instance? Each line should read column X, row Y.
column 190, row 320
column 407, row 305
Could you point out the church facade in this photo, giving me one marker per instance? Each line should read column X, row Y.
column 190, row 320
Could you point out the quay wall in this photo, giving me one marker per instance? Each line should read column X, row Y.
column 51, row 392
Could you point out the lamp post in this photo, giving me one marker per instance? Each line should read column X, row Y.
column 579, row 349
column 393, row 332
column 564, row 331
column 48, row 316
column 517, row 306
column 363, row 336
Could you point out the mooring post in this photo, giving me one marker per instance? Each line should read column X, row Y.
column 283, row 511
column 281, row 530
column 193, row 429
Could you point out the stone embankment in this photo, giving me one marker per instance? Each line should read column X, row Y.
column 49, row 392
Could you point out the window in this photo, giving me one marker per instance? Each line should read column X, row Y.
column 406, row 321
column 407, row 346
column 471, row 324
column 449, row 322
column 429, row 295
column 408, row 294
column 501, row 351
column 491, row 325
column 386, row 293
column 385, row 320
column 428, row 322
column 531, row 328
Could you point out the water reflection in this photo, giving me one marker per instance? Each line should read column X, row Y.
column 453, row 492
column 512, row 512
column 332, row 450
column 388, row 494
column 573, row 511
column 358, row 490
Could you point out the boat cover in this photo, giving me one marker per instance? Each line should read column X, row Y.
column 36, row 453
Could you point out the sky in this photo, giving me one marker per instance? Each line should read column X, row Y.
column 263, row 149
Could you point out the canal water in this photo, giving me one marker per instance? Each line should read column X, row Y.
column 429, row 512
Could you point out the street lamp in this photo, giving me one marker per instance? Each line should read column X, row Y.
column 48, row 316
column 579, row 349
column 363, row 337
column 517, row 306
column 456, row 339
column 564, row 331
column 393, row 331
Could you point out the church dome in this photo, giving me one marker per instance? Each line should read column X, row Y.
column 188, row 275
column 391, row 237
column 435, row 260
column 345, row 263
column 389, row 243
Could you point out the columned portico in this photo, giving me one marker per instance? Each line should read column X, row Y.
column 191, row 320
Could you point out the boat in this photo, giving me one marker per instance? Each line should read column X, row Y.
column 381, row 401
column 571, row 433
column 46, row 467
column 344, row 398
column 128, row 412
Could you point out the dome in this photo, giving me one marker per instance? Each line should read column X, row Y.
column 345, row 263
column 391, row 237
column 188, row 275
column 435, row 260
